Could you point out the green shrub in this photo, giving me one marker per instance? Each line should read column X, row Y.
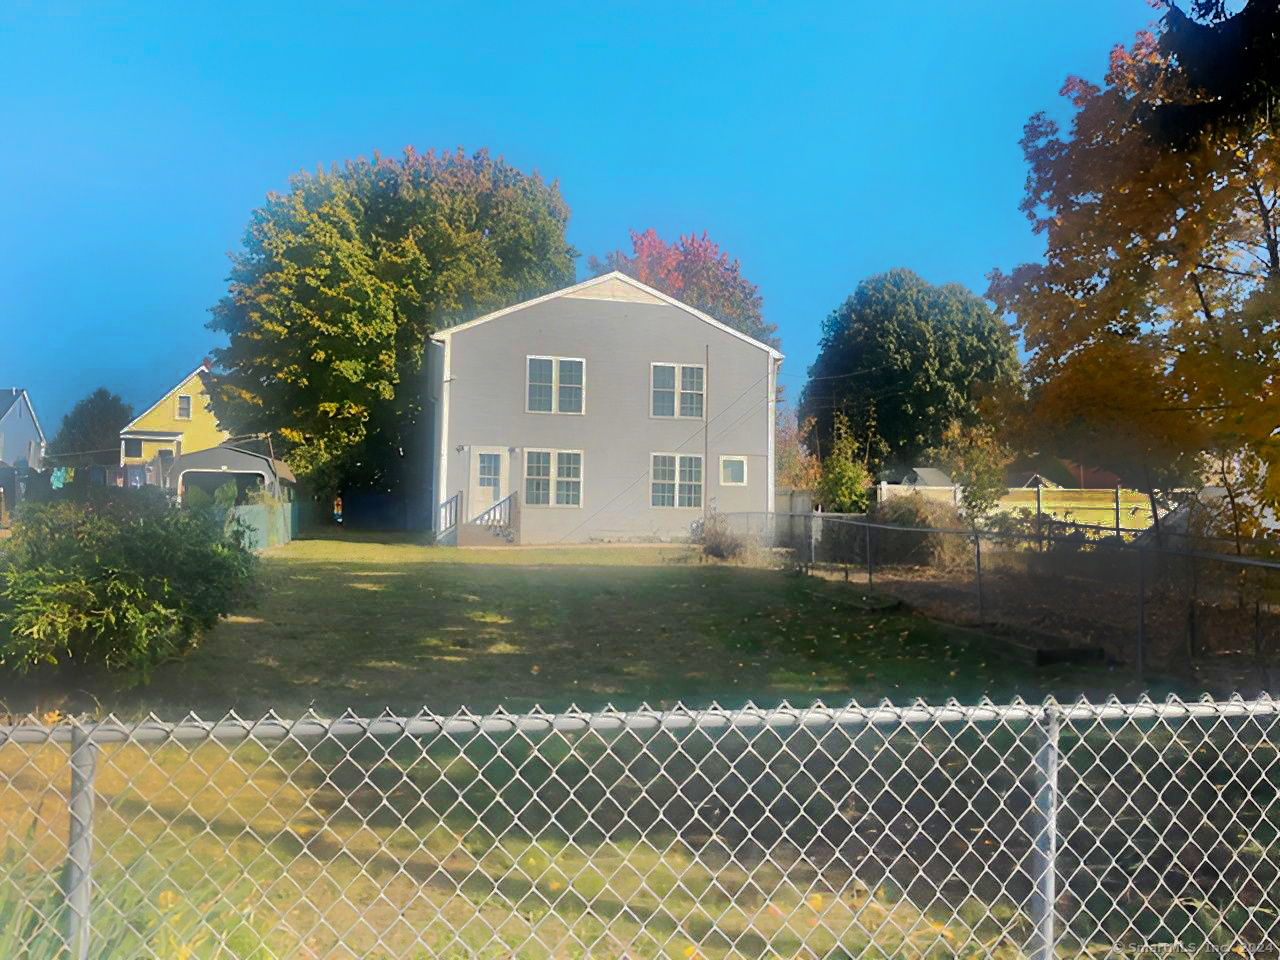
column 119, row 579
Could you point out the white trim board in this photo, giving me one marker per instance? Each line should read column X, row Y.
column 204, row 367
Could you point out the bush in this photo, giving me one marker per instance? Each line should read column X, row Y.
column 119, row 579
column 720, row 542
column 943, row 550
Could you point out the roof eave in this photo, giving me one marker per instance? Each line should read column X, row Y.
column 440, row 336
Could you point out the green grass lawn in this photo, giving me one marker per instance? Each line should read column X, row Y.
column 370, row 623
column 328, row 848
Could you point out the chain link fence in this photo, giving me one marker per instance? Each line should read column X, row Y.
column 1166, row 604
column 955, row 831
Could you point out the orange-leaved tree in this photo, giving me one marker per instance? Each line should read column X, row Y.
column 1150, row 323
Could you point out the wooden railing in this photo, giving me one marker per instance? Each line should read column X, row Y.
column 448, row 516
column 498, row 515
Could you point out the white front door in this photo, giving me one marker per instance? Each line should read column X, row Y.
column 488, row 478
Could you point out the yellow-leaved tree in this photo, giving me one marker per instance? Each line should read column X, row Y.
column 1152, row 322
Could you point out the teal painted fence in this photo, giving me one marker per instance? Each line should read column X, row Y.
column 269, row 525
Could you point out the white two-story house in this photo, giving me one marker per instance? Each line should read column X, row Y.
column 605, row 411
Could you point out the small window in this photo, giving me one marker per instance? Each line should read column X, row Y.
column 733, row 471
column 569, row 398
column 184, row 407
column 675, row 480
column 678, row 390
column 133, row 449
column 555, row 385
column 542, row 380
column 490, row 472
column 691, row 392
column 553, row 478
column 664, row 390
column 568, row 479
column 689, row 493
column 663, row 493
column 537, row 477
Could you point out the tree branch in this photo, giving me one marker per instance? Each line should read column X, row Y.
column 1273, row 248
column 1235, row 273
column 1204, row 304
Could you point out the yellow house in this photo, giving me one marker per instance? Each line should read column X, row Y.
column 180, row 422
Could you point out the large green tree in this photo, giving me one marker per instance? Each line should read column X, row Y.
column 695, row 271
column 90, row 433
column 903, row 360
column 342, row 279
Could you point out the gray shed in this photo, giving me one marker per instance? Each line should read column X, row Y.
column 926, row 477
column 235, row 463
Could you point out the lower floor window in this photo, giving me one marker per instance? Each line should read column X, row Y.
column 675, row 480
column 553, row 477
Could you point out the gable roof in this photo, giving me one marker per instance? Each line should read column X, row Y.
column 9, row 399
column 605, row 280
column 203, row 368
column 927, row 477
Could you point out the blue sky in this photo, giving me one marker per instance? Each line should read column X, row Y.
column 817, row 143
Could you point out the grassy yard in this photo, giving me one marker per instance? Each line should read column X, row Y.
column 369, row 624
column 449, row 848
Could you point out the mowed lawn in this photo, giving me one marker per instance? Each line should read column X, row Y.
column 369, row 624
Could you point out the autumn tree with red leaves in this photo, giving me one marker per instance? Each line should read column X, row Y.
column 695, row 271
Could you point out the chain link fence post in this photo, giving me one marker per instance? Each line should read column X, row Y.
column 1141, row 657
column 1045, row 850
column 77, row 880
column 977, row 552
column 871, row 558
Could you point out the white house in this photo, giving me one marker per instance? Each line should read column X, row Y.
column 604, row 411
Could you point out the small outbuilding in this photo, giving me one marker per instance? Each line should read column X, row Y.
column 248, row 469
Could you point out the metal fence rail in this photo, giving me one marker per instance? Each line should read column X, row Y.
column 1047, row 830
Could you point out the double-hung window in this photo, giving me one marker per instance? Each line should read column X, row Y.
column 184, row 407
column 553, row 478
column 675, row 480
column 555, row 385
column 677, row 390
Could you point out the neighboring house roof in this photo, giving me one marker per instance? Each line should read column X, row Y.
column 1027, row 479
column 1091, row 478
column 203, row 368
column 926, row 477
column 10, row 396
column 605, row 280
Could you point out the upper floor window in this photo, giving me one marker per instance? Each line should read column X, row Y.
column 184, row 407
column 132, row 448
column 678, row 390
column 555, row 385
